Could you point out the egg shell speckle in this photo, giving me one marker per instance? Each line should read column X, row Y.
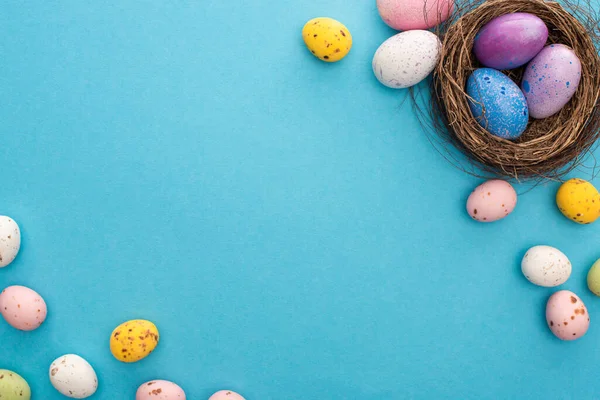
column 579, row 201
column 226, row 395
column 159, row 390
column 550, row 80
column 73, row 377
column 405, row 15
column 133, row 340
column 497, row 103
column 327, row 39
column 546, row 266
column 13, row 386
column 510, row 41
column 10, row 240
column 492, row 201
column 406, row 59
column 567, row 316
column 22, row 308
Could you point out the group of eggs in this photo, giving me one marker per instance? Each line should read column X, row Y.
column 546, row 266
column 404, row 59
column 550, row 80
column 507, row 42
column 71, row 375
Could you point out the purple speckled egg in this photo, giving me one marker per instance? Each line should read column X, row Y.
column 551, row 80
column 510, row 41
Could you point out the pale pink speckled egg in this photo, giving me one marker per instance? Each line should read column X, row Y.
column 22, row 308
column 226, row 395
column 491, row 201
column 404, row 15
column 159, row 390
column 567, row 316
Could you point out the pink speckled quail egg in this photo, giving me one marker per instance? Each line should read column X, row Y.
column 73, row 377
column 406, row 59
column 404, row 15
column 159, row 390
column 491, row 201
column 567, row 316
column 546, row 266
column 22, row 308
column 226, row 395
column 10, row 240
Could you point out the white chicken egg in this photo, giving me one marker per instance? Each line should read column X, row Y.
column 10, row 240
column 73, row 377
column 546, row 266
column 406, row 59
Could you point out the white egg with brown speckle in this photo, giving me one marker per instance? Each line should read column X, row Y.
column 10, row 240
column 226, row 395
column 546, row 266
column 406, row 59
column 73, row 377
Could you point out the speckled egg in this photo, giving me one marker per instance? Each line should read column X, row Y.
column 593, row 278
column 73, row 377
column 550, row 80
column 546, row 266
column 405, row 15
column 510, row 41
column 579, row 201
column 327, row 39
column 567, row 316
column 22, row 308
column 10, row 240
column 492, row 201
column 497, row 103
column 226, row 395
column 159, row 390
column 406, row 59
column 13, row 386
column 133, row 340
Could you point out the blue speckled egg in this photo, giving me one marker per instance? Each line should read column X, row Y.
column 497, row 103
column 550, row 80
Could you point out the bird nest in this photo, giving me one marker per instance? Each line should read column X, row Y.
column 550, row 147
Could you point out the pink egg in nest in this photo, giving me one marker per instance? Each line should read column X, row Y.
column 404, row 15
column 567, row 316
column 226, row 395
column 22, row 308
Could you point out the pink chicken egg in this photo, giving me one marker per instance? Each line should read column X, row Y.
column 226, row 395
column 22, row 308
column 492, row 201
column 159, row 390
column 404, row 15
column 567, row 316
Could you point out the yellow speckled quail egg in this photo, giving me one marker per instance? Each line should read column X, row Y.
column 327, row 39
column 133, row 340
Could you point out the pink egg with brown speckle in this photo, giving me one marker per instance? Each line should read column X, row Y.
column 22, row 308
column 226, row 395
column 159, row 390
column 404, row 15
column 492, row 201
column 567, row 316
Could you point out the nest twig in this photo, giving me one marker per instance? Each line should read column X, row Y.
column 549, row 148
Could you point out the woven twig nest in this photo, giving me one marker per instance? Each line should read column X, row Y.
column 550, row 147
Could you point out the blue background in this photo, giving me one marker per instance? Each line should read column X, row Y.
column 284, row 222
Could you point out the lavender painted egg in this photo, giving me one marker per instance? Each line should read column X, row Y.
column 510, row 41
column 551, row 80
column 497, row 103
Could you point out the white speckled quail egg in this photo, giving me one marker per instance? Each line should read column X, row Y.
column 10, row 240
column 73, row 377
column 546, row 266
column 406, row 59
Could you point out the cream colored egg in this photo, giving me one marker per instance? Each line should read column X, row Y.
column 10, row 240
column 546, row 266
column 73, row 377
